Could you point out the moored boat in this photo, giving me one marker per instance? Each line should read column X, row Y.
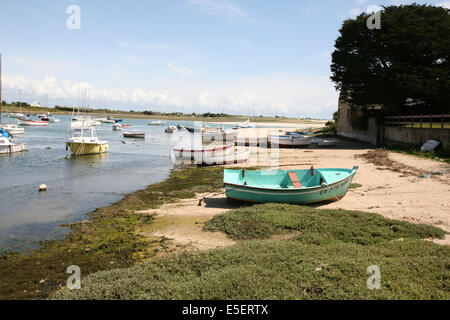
column 30, row 122
column 7, row 146
column 12, row 129
column 156, row 123
column 220, row 134
column 190, row 153
column 117, row 127
column 288, row 186
column 289, row 141
column 171, row 129
column 84, row 141
column 140, row 135
column 226, row 158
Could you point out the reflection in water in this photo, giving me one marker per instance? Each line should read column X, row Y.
column 90, row 158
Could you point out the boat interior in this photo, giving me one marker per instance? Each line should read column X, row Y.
column 285, row 179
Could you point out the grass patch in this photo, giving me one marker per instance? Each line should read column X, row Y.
column 355, row 186
column 108, row 240
column 316, row 226
column 298, row 268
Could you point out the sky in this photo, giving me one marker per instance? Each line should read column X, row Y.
column 252, row 57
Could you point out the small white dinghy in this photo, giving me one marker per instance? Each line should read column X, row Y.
column 221, row 134
column 156, row 123
column 140, row 135
column 171, row 129
column 226, row 158
column 117, row 127
column 289, row 141
column 189, row 153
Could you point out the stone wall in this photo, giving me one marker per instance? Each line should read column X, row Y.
column 416, row 136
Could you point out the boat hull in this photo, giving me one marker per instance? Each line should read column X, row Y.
column 134, row 135
column 26, row 122
column 331, row 192
column 81, row 148
column 12, row 148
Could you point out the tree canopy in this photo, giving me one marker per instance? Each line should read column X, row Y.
column 403, row 66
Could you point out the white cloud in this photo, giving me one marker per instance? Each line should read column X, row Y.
column 217, row 7
column 179, row 70
column 373, row 9
column 355, row 11
column 445, row 4
column 291, row 95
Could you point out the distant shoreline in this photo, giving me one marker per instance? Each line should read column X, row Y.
column 140, row 115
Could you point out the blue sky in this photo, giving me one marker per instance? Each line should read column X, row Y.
column 248, row 56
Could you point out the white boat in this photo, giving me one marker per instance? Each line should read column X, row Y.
column 12, row 129
column 30, row 122
column 286, row 141
column 82, row 121
column 189, row 153
column 246, row 124
column 140, row 135
column 221, row 134
column 117, row 127
column 84, row 141
column 106, row 120
column 53, row 119
column 7, row 147
column 16, row 115
column 226, row 158
column 171, row 129
column 156, row 123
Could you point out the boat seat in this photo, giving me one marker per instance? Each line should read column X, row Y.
column 294, row 180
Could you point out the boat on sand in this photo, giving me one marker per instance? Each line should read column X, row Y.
column 288, row 186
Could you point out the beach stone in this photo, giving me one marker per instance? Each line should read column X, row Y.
column 42, row 187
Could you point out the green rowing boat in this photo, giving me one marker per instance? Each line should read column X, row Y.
column 288, row 186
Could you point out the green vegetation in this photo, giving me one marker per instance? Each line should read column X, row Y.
column 403, row 65
column 109, row 239
column 289, row 252
column 355, row 186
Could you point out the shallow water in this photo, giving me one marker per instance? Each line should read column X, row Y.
column 76, row 186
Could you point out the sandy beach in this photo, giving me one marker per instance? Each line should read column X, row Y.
column 395, row 187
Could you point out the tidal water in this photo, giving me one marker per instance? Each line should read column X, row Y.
column 76, row 185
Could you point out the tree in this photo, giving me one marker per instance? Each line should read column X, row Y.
column 403, row 66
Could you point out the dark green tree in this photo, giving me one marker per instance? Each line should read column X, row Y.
column 403, row 66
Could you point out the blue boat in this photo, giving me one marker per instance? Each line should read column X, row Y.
column 288, row 186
